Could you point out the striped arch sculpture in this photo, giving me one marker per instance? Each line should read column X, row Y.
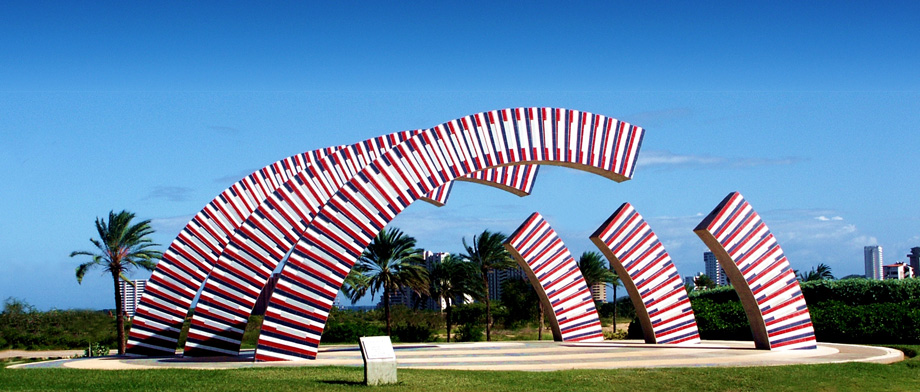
column 760, row 273
column 343, row 228
column 650, row 277
column 348, row 204
column 219, row 320
column 192, row 257
column 557, row 280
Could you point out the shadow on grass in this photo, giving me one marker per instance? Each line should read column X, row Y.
column 341, row 382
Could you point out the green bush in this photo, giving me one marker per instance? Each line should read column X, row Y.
column 349, row 332
column 96, row 350
column 889, row 323
column 415, row 325
column 623, row 305
column 721, row 294
column 848, row 291
column 842, row 311
column 24, row 327
column 521, row 303
column 470, row 332
column 411, row 333
column 721, row 321
column 861, row 291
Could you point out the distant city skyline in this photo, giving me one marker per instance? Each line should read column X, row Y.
column 811, row 110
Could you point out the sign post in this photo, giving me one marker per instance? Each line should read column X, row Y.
column 379, row 360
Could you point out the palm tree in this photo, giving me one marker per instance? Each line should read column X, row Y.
column 390, row 263
column 121, row 247
column 453, row 278
column 488, row 253
column 821, row 272
column 594, row 269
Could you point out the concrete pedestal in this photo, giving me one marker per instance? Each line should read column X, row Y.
column 379, row 360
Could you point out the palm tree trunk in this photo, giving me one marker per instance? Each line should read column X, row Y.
column 119, row 316
column 386, row 308
column 614, row 308
column 485, row 281
column 448, row 319
column 540, row 331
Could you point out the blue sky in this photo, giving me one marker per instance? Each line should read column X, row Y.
column 812, row 111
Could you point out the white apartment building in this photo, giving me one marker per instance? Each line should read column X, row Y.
column 873, row 260
column 131, row 294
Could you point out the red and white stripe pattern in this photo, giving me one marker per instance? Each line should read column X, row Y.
column 365, row 204
column 191, row 257
column 557, row 279
column 747, row 249
column 518, row 179
column 438, row 197
column 237, row 279
column 649, row 275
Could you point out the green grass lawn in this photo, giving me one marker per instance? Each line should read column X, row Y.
column 902, row 376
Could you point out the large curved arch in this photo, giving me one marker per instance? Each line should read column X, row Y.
column 556, row 278
column 760, row 274
column 261, row 242
column 190, row 258
column 341, row 230
column 650, row 277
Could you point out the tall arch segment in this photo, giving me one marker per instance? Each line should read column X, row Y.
column 355, row 214
column 760, row 274
column 650, row 277
column 557, row 280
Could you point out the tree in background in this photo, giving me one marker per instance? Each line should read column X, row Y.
column 453, row 278
column 390, row 263
column 121, row 247
column 704, row 282
column 519, row 298
column 488, row 253
column 595, row 270
column 821, row 272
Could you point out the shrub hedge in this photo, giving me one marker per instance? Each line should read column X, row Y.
column 23, row 327
column 842, row 311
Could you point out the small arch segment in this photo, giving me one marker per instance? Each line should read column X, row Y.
column 557, row 280
column 760, row 274
column 650, row 277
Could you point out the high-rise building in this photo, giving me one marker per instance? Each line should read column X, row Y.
column 432, row 259
column 497, row 277
column 713, row 270
column 409, row 298
column 897, row 271
column 404, row 296
column 873, row 259
column 131, row 294
column 599, row 291
column 914, row 258
column 690, row 281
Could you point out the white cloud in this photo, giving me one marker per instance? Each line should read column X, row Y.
column 825, row 219
column 170, row 193
column 663, row 159
column 168, row 228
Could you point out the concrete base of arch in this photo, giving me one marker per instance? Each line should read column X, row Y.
column 526, row 356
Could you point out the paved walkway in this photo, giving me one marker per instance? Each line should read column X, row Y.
column 533, row 356
column 44, row 354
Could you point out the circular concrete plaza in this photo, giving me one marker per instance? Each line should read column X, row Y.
column 530, row 356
